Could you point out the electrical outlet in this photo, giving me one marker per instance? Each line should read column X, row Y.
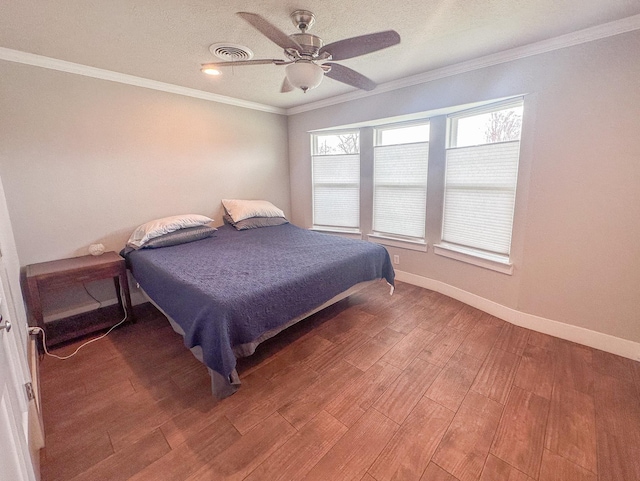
column 396, row 259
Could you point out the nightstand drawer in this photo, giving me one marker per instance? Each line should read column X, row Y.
column 66, row 279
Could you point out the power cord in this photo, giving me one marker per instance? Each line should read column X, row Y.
column 36, row 330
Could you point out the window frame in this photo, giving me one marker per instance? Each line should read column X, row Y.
column 475, row 255
column 314, row 147
column 390, row 238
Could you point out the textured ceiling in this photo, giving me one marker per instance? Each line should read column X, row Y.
column 167, row 40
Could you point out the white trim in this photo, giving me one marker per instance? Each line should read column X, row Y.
column 473, row 257
column 400, row 243
column 79, row 69
column 351, row 234
column 581, row 335
column 590, row 34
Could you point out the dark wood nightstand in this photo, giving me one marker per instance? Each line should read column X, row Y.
column 66, row 272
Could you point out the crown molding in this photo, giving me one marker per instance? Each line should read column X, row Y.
column 34, row 60
column 590, row 34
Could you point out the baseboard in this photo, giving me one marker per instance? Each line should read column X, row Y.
column 587, row 337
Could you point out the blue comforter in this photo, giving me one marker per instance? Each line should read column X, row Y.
column 230, row 289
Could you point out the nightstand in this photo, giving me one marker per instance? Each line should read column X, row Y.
column 77, row 270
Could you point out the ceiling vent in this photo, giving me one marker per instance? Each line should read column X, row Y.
column 231, row 51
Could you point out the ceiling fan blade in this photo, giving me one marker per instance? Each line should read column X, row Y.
column 286, row 86
column 270, row 31
column 349, row 76
column 356, row 46
column 240, row 63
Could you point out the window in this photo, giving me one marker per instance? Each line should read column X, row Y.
column 401, row 155
column 336, row 180
column 480, row 183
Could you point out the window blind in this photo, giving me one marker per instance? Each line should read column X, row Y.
column 400, row 189
column 479, row 198
column 336, row 190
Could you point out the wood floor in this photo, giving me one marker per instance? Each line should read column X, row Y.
column 414, row 386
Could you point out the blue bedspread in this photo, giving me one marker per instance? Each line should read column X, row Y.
column 230, row 289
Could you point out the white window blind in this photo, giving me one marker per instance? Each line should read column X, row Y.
column 400, row 189
column 479, row 199
column 336, row 181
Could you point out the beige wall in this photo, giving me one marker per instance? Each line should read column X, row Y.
column 577, row 222
column 85, row 160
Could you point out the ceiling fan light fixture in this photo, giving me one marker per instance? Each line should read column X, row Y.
column 304, row 74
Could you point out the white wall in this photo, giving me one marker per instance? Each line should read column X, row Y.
column 575, row 248
column 86, row 160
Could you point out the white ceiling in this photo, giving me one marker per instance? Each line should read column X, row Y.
column 167, row 40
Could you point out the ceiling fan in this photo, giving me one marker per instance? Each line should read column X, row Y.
column 308, row 59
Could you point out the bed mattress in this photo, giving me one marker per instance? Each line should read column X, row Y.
column 232, row 288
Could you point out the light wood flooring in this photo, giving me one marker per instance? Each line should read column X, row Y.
column 414, row 386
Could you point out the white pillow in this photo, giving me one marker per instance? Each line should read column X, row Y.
column 159, row 227
column 244, row 209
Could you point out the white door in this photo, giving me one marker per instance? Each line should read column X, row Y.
column 15, row 458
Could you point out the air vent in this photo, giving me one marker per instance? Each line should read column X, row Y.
column 231, row 51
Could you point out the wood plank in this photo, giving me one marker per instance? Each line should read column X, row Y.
column 122, row 465
column 408, row 320
column 557, row 468
column 436, row 473
column 536, row 371
column 295, row 458
column 324, row 360
column 465, row 319
column 147, row 417
column 617, row 406
column 439, row 350
column 441, row 313
column 279, row 391
column 496, row 469
column 67, row 456
column 465, row 446
column 512, row 339
column 618, row 458
column 618, row 428
column 574, row 367
column 454, row 381
column 520, row 437
column 612, row 365
column 480, row 340
column 294, row 354
column 407, row 349
column 192, row 454
column 342, row 327
column 409, row 451
column 367, row 354
column 496, row 375
column 243, row 456
column 356, row 451
column 308, row 402
column 404, row 393
column 356, row 399
column 545, row 341
column 571, row 428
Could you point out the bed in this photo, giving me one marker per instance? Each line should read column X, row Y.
column 227, row 293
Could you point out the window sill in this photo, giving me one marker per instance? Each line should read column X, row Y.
column 396, row 242
column 349, row 233
column 481, row 259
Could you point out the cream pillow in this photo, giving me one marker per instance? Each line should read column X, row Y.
column 158, row 227
column 244, row 209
